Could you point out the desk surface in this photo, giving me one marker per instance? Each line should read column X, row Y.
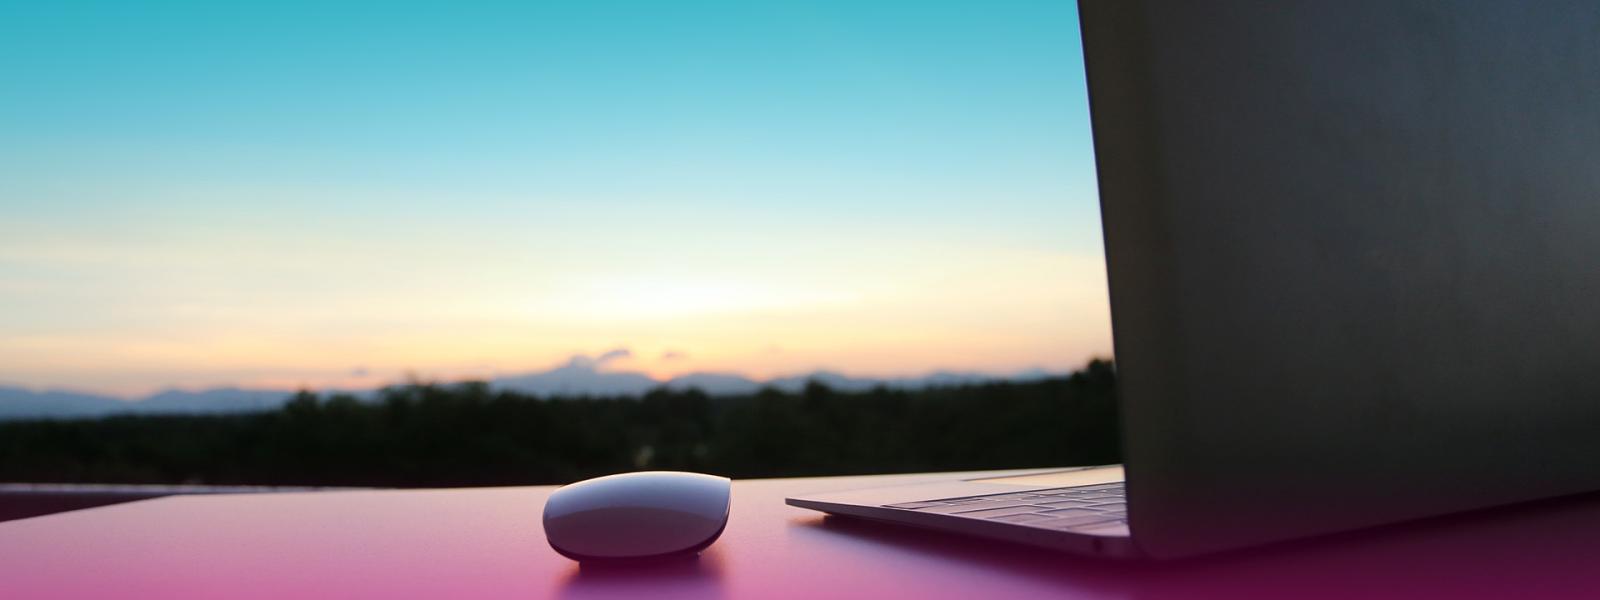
column 486, row 543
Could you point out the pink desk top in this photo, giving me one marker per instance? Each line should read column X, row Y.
column 486, row 543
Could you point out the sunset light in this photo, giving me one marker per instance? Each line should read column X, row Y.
column 282, row 211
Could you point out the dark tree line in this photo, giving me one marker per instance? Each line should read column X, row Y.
column 466, row 434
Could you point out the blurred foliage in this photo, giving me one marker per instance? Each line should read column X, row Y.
column 466, row 434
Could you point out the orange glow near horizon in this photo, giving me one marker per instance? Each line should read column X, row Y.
column 996, row 314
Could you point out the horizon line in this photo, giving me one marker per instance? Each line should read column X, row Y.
column 597, row 369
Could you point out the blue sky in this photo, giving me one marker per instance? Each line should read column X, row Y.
column 294, row 193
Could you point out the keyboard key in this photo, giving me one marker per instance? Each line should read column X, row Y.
column 985, row 513
column 1074, row 512
column 1101, row 496
column 964, row 506
column 1016, row 496
column 1012, row 502
column 1110, row 506
column 1076, row 492
column 1049, row 491
column 956, row 508
column 1075, row 523
column 913, row 505
column 1064, row 503
column 1022, row 518
column 1086, row 521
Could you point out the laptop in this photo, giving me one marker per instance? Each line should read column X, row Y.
column 1354, row 260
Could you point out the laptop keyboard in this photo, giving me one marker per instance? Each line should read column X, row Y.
column 1092, row 509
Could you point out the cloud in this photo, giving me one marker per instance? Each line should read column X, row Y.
column 360, row 372
column 584, row 361
column 671, row 355
column 613, row 354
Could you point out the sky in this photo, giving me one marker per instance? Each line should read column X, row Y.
column 339, row 194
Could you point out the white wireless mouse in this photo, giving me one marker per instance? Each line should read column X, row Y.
column 637, row 515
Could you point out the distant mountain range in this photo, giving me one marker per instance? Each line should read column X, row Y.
column 576, row 378
column 22, row 403
column 581, row 377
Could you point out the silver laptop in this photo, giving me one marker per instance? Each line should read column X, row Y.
column 1354, row 259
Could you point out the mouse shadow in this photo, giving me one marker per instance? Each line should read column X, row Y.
column 691, row 576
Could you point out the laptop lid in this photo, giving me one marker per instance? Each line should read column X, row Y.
column 1354, row 258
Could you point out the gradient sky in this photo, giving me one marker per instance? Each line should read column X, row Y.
column 290, row 193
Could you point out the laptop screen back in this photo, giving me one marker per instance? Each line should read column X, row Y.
column 1354, row 258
